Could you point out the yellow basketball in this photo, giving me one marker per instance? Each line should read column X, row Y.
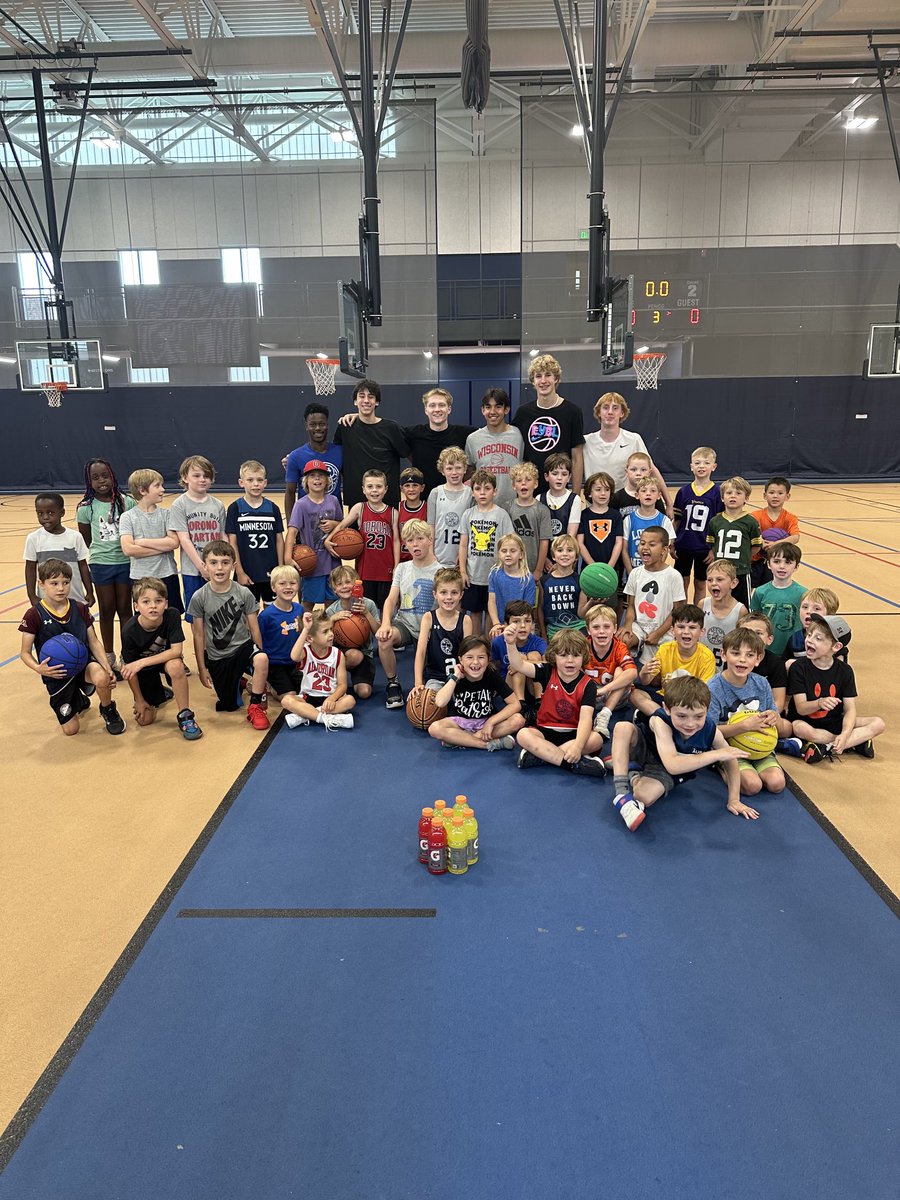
column 758, row 743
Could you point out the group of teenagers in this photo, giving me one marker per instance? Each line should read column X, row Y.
column 472, row 558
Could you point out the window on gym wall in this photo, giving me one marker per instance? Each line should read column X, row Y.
column 33, row 287
column 138, row 266
column 242, row 264
column 147, row 374
column 258, row 374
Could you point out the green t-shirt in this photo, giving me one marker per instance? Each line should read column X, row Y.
column 106, row 546
column 782, row 607
column 734, row 540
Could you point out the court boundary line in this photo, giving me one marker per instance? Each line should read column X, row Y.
column 266, row 914
column 852, row 855
column 30, row 1108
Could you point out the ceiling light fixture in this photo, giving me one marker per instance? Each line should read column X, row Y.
column 860, row 123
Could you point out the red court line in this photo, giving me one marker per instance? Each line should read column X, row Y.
column 851, row 550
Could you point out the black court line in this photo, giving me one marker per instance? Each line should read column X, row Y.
column 307, row 913
column 15, row 1132
column 872, row 878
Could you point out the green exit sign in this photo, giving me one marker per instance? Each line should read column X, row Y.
column 584, row 234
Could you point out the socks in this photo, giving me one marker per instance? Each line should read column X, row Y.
column 256, row 697
column 620, row 784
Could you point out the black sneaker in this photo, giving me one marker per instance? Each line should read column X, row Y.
column 188, row 726
column 111, row 718
column 865, row 749
column 812, row 753
column 590, row 764
column 527, row 759
column 167, row 695
column 393, row 695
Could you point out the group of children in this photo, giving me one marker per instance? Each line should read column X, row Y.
column 488, row 595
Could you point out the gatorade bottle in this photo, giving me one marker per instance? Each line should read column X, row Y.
column 437, row 849
column 357, row 592
column 424, row 833
column 459, row 805
column 440, row 811
column 457, row 848
column 470, row 825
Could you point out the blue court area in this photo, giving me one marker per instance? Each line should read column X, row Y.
column 705, row 1008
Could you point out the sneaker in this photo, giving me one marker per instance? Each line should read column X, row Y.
column 82, row 703
column 257, row 717
column 792, row 746
column 630, row 810
column 865, row 749
column 188, row 726
column 813, row 753
column 590, row 764
column 601, row 724
column 294, row 721
column 335, row 720
column 505, row 743
column 393, row 696
column 111, row 718
column 167, row 695
column 527, row 759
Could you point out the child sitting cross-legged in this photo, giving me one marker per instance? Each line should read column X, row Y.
column 823, row 696
column 470, row 694
column 677, row 741
column 684, row 655
column 323, row 697
column 563, row 735
column 610, row 665
column 772, row 668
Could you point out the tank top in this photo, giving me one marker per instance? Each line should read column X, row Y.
column 560, row 709
column 442, row 649
column 405, row 514
column 715, row 628
column 376, row 563
column 319, row 674
column 697, row 743
column 560, row 518
column 52, row 626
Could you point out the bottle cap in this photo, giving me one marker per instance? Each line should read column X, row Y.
column 437, row 824
column 427, row 812
column 440, row 804
column 468, row 812
column 462, row 799
column 457, row 820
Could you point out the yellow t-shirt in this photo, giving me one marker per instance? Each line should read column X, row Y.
column 701, row 664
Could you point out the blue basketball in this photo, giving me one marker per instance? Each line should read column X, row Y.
column 66, row 651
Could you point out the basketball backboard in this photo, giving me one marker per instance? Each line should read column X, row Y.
column 884, row 352
column 75, row 362
column 353, row 341
column 618, row 340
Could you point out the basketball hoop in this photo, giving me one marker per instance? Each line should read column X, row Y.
column 646, row 369
column 323, row 371
column 54, row 390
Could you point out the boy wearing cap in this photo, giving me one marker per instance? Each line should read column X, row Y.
column 412, row 506
column 823, row 696
column 312, row 519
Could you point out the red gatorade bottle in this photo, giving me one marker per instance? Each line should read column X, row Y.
column 425, row 833
column 437, row 849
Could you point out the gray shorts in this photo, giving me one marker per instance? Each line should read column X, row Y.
column 647, row 764
column 408, row 636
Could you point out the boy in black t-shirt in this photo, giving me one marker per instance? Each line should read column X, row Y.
column 470, row 694
column 549, row 424
column 152, row 642
column 823, row 696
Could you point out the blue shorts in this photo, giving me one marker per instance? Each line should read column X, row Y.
column 315, row 590
column 104, row 574
column 191, row 584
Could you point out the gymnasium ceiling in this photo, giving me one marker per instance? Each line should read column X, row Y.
column 272, row 67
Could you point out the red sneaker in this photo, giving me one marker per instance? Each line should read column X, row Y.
column 257, row 717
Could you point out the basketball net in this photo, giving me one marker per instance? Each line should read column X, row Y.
column 646, row 369
column 54, row 392
column 323, row 371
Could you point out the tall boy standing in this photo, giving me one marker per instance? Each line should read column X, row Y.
column 427, row 441
column 497, row 446
column 254, row 528
column 317, row 446
column 370, row 442
column 695, row 505
column 549, row 424
column 197, row 518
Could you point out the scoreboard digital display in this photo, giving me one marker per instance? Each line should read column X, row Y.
column 671, row 305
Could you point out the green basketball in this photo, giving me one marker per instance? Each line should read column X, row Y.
column 599, row 581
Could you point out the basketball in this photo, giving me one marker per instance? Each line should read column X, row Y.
column 348, row 544
column 352, row 633
column 305, row 559
column 65, row 650
column 758, row 743
column 422, row 709
column 599, row 581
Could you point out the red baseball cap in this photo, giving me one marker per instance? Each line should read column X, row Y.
column 315, row 464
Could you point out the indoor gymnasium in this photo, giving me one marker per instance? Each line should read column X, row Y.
column 336, row 286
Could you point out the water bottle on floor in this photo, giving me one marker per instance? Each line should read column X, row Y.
column 470, row 825
column 437, row 849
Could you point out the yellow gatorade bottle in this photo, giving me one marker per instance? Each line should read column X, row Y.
column 457, row 848
column 440, row 811
column 459, row 805
column 470, row 826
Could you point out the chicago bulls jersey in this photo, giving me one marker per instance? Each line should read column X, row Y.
column 561, row 703
column 600, row 531
column 376, row 563
column 319, row 673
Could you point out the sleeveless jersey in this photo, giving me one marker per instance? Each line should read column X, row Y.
column 376, row 563
column 445, row 513
column 697, row 743
column 715, row 628
column 442, row 649
column 51, row 625
column 560, row 708
column 319, row 674
column 405, row 514
column 560, row 518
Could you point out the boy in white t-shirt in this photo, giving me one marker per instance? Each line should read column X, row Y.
column 54, row 541
column 410, row 597
column 652, row 590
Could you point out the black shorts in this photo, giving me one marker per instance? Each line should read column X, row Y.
column 150, row 685
column 262, row 591
column 556, row 737
column 226, row 675
column 173, row 589
column 66, row 696
column 284, row 678
column 475, row 598
column 377, row 591
column 687, row 561
column 742, row 590
column 364, row 673
column 760, row 573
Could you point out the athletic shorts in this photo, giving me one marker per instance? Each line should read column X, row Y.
column 262, row 591
column 315, row 590
column 66, row 696
column 150, row 685
column 407, row 636
column 475, row 598
column 648, row 764
column 363, row 673
column 758, row 764
column 190, row 584
column 315, row 701
column 284, row 678
column 470, row 724
column 687, row 561
column 226, row 675
column 556, row 737
column 104, row 574
column 436, row 684
column 377, row 590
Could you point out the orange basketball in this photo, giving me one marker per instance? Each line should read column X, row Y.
column 422, row 709
column 352, row 633
column 305, row 559
column 348, row 544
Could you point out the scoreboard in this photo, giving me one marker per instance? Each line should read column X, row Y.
column 673, row 304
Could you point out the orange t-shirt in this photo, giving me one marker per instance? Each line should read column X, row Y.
column 602, row 670
column 787, row 522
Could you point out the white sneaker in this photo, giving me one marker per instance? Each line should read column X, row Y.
column 293, row 721
column 631, row 811
column 601, row 723
column 335, row 720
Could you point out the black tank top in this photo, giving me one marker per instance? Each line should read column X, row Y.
column 442, row 650
column 560, row 518
column 52, row 626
